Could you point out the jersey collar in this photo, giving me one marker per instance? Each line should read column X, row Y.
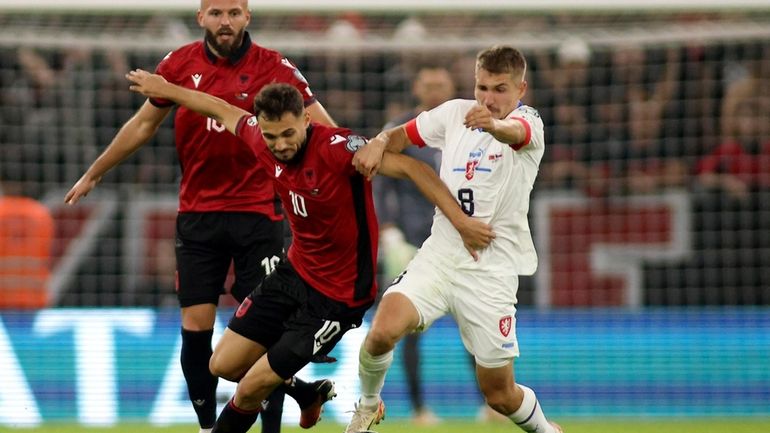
column 236, row 56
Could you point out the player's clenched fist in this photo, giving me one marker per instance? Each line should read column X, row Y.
column 368, row 158
column 479, row 117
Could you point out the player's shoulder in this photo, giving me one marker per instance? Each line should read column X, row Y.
column 526, row 110
column 264, row 51
column 336, row 139
column 178, row 62
column 265, row 56
column 273, row 63
column 183, row 53
column 330, row 135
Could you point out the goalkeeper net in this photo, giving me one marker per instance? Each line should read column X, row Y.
column 637, row 106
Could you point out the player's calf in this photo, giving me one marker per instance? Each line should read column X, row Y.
column 530, row 417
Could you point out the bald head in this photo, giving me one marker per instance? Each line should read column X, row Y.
column 207, row 3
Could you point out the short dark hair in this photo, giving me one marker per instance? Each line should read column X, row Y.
column 501, row 59
column 277, row 99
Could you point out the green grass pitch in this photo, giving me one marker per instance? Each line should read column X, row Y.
column 717, row 425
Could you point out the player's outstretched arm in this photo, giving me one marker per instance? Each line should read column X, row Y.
column 155, row 86
column 368, row 159
column 476, row 234
column 132, row 135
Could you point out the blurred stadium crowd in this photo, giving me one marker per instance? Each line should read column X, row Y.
column 640, row 116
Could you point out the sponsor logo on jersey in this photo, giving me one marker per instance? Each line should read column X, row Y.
column 505, row 325
column 474, row 158
column 278, row 170
column 355, row 142
column 252, row 121
column 496, row 157
column 196, row 79
column 336, row 139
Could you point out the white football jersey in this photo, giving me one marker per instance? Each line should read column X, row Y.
column 490, row 180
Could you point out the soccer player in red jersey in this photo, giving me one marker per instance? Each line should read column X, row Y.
column 228, row 210
column 327, row 282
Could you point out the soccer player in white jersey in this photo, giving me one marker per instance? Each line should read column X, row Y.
column 491, row 152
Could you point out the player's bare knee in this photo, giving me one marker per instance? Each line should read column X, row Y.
column 215, row 367
column 219, row 368
column 255, row 387
column 247, row 394
column 199, row 317
column 381, row 340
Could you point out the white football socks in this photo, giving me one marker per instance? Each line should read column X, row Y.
column 529, row 416
column 371, row 372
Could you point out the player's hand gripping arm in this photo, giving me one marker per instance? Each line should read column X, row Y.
column 368, row 159
column 155, row 86
column 476, row 235
column 132, row 135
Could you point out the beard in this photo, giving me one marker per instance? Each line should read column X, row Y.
column 225, row 49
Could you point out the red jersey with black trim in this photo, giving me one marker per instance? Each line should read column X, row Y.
column 219, row 171
column 330, row 210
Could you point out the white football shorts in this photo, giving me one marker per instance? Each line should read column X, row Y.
column 482, row 304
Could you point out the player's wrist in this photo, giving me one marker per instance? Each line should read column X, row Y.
column 91, row 177
column 380, row 142
column 460, row 220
